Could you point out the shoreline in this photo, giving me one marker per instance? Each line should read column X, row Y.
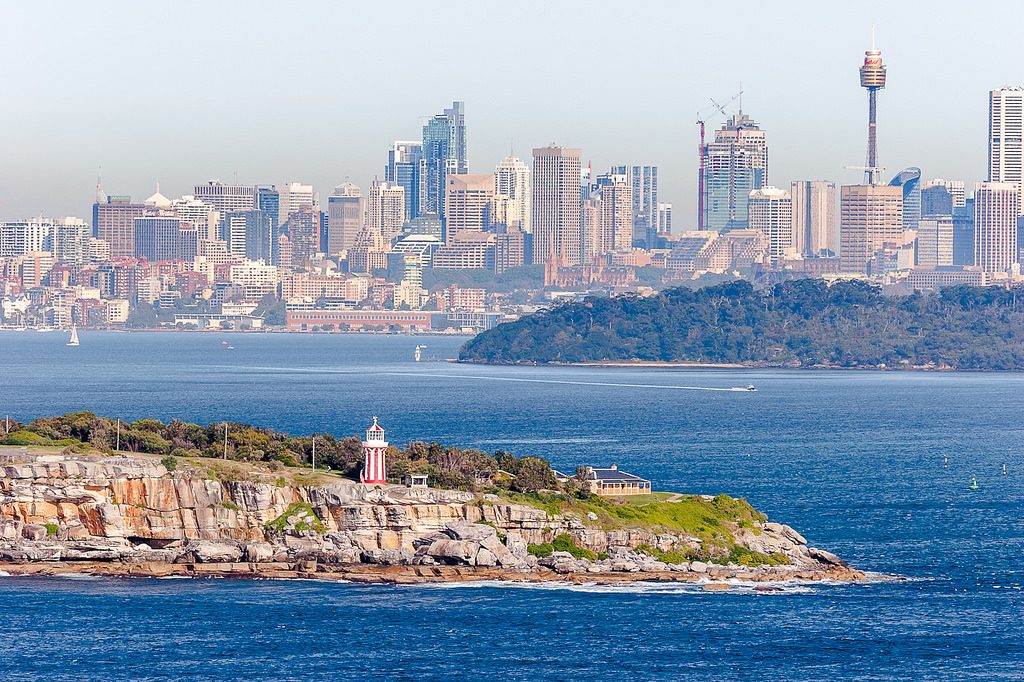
column 665, row 364
column 417, row 575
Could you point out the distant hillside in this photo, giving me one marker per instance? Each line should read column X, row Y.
column 800, row 323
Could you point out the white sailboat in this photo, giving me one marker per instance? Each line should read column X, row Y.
column 73, row 341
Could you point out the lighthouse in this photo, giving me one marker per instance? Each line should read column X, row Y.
column 375, row 471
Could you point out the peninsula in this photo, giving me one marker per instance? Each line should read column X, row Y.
column 67, row 506
column 801, row 323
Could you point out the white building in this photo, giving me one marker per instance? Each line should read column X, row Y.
column 385, row 210
column 512, row 180
column 664, row 217
column 201, row 215
column 996, row 208
column 257, row 277
column 935, row 241
column 26, row 236
column 295, row 197
column 770, row 212
column 225, row 198
column 1006, row 136
column 71, row 240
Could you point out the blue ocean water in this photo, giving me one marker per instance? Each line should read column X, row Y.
column 854, row 460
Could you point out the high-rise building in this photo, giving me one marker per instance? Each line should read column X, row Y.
column 996, row 208
column 955, row 188
column 910, row 181
column 935, row 239
column 468, row 206
column 615, row 226
column 592, row 243
column 1006, row 136
column 664, row 217
column 936, row 200
column 251, row 235
column 771, row 214
column 164, row 237
column 27, row 236
column 512, row 180
column 735, row 164
column 403, row 168
column 444, row 154
column 71, row 240
column 963, row 233
column 268, row 200
column 303, row 229
column 872, row 78
column 114, row 222
column 643, row 182
column 201, row 215
column 814, row 218
column 871, row 221
column 385, row 210
column 226, row 198
column 294, row 197
column 555, row 217
column 345, row 217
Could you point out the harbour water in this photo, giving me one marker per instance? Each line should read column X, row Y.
column 854, row 460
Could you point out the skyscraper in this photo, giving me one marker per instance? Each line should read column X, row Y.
column 814, row 218
column 556, row 205
column 909, row 180
column 202, row 216
column 468, row 204
column 294, row 197
column 70, row 240
column 615, row 226
column 955, row 188
column 735, row 164
column 936, row 200
column 512, row 180
column 771, row 214
column 403, row 168
column 444, row 154
column 303, row 229
column 345, row 218
column 664, row 217
column 268, row 200
column 644, row 187
column 114, row 222
column 1006, row 136
column 871, row 221
column 224, row 197
column 164, row 237
column 935, row 240
column 251, row 234
column 385, row 210
column 996, row 208
column 963, row 233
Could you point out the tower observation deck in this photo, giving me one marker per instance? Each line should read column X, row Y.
column 872, row 77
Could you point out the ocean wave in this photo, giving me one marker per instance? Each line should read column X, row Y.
column 4, row 574
column 77, row 576
column 545, row 441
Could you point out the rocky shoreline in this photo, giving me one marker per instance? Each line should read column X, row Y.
column 129, row 516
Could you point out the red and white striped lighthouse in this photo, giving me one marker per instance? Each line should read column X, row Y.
column 375, row 470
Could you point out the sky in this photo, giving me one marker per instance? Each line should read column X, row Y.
column 271, row 92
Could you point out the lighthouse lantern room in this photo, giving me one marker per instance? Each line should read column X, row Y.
column 375, row 470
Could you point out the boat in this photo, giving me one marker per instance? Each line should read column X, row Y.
column 974, row 484
column 418, row 354
column 73, row 341
column 751, row 387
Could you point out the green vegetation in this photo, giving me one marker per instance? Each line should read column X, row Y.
column 170, row 462
column 562, row 543
column 228, row 504
column 797, row 323
column 29, row 438
column 307, row 520
column 51, row 529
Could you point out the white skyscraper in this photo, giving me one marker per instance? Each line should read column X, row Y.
column 385, row 210
column 814, row 217
column 770, row 212
column 295, row 197
column 1006, row 136
column 996, row 208
column 512, row 180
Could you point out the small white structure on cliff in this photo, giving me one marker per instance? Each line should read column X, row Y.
column 375, row 469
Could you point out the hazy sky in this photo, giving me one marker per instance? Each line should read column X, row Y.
column 184, row 91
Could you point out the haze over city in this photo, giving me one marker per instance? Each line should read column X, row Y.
column 316, row 92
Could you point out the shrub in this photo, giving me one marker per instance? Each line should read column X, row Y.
column 51, row 529
column 310, row 521
column 228, row 504
column 170, row 462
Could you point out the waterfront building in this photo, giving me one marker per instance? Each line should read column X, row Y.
column 512, row 181
column 385, row 209
column 1006, row 137
column 735, row 164
column 403, row 168
column 815, row 230
column 909, row 180
column 345, row 218
column 113, row 221
column 935, row 240
column 996, row 209
column 444, row 154
column 615, row 482
column 294, row 197
column 771, row 214
column 224, row 198
column 871, row 221
column 555, row 217
column 375, row 469
column 468, row 205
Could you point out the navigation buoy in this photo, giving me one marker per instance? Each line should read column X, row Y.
column 974, row 483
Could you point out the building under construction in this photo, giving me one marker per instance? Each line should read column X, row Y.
column 733, row 165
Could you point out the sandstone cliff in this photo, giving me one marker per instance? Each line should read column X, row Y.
column 130, row 509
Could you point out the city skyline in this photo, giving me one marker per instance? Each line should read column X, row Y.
column 54, row 150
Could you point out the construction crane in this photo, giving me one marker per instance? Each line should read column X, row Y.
column 702, row 153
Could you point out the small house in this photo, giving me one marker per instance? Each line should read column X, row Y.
column 614, row 481
column 415, row 480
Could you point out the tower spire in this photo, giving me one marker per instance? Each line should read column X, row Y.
column 101, row 196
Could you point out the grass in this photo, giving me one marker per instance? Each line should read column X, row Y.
column 712, row 521
column 312, row 521
column 562, row 543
